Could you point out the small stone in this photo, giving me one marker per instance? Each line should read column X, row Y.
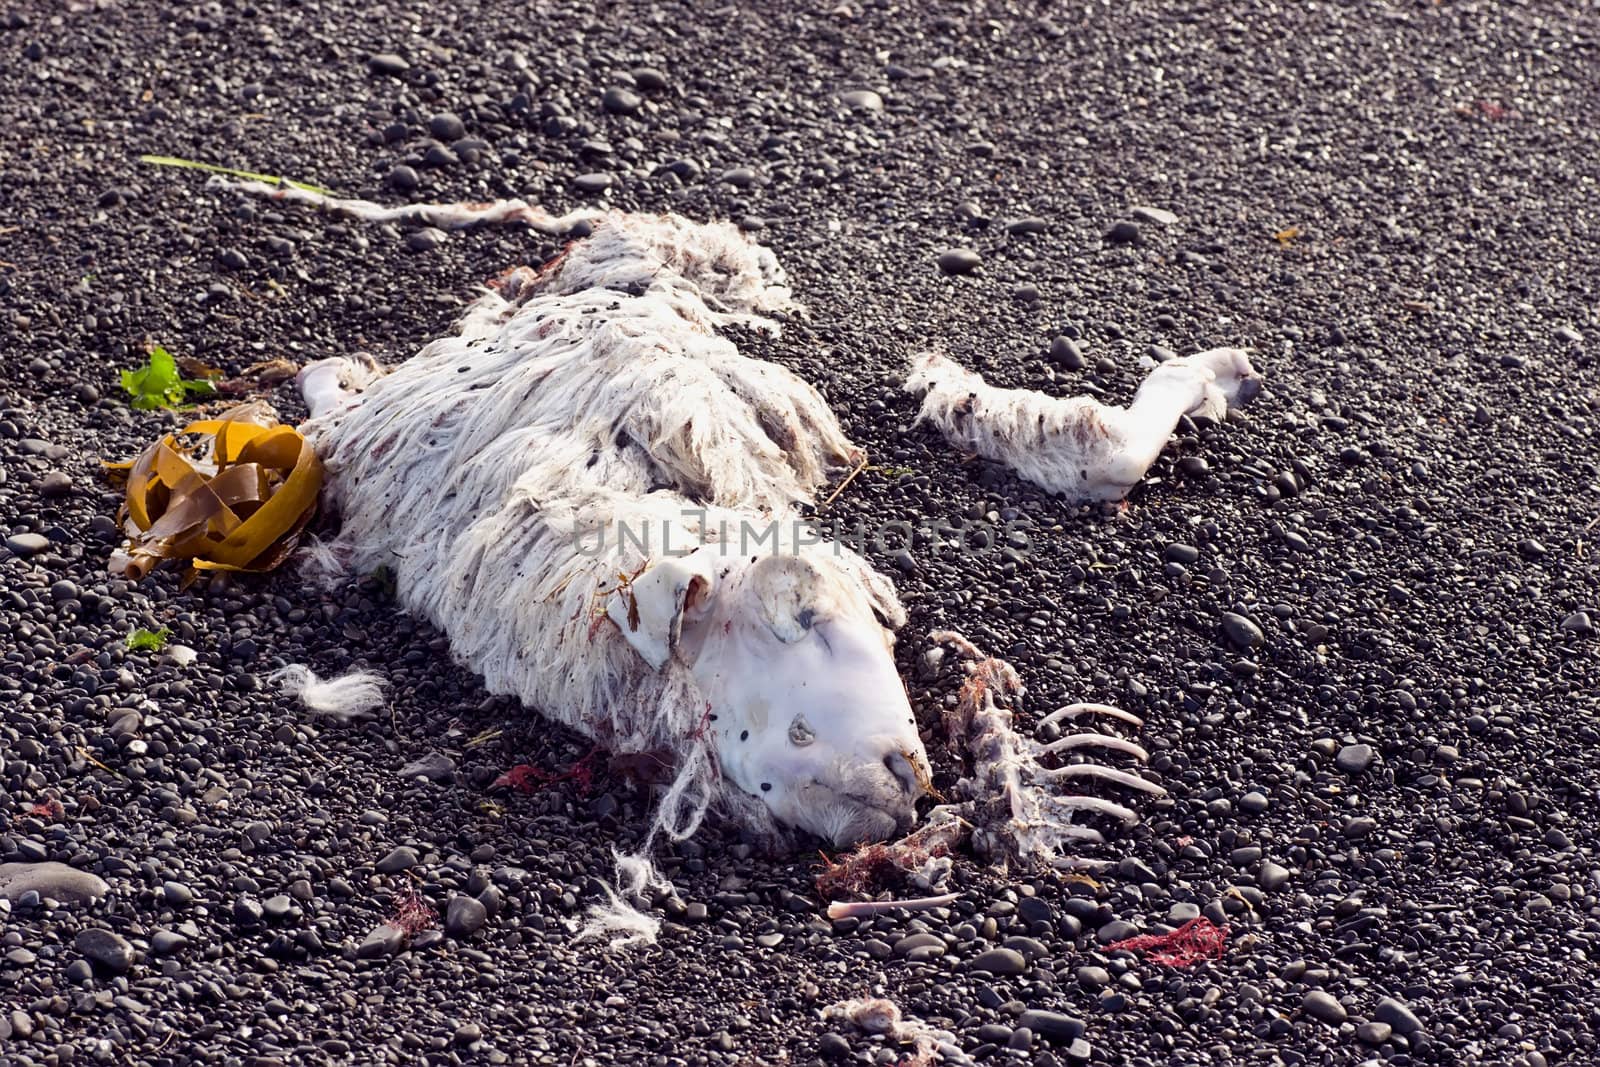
column 1025, row 226
column 959, row 261
column 1374, row 1033
column 447, row 127
column 403, row 179
column 1093, row 978
column 1181, row 553
column 1321, row 1005
column 620, row 101
column 1157, row 215
column 387, row 63
column 166, row 942
column 1271, row 876
column 464, row 916
column 1064, row 352
column 1569, row 335
column 650, row 80
column 999, row 961
column 1397, row 1015
column 440, row 156
column 1578, row 622
column 49, row 879
column 1254, row 803
column 1052, row 1025
column 106, row 950
column 435, row 767
column 862, row 100
column 833, row 1047
column 233, row 259
column 739, row 177
column 401, row 859
column 384, row 941
column 592, row 184
column 1125, row 233
column 26, row 544
column 1353, row 759
column 425, row 240
column 279, row 908
column 1241, row 631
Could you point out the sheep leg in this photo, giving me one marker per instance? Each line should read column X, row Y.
column 1203, row 385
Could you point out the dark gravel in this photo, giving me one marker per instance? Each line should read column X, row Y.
column 1357, row 621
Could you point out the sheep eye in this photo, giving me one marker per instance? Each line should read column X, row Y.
column 800, row 732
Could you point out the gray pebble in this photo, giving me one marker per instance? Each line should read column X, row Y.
column 1353, row 759
column 447, row 127
column 26, row 544
column 401, row 859
column 1374, row 1033
column 403, row 179
column 1241, row 631
column 49, row 879
column 1125, row 233
column 388, row 63
column 1397, row 1015
column 999, row 961
column 1159, row 216
column 464, row 916
column 384, row 941
column 106, row 950
column 1271, row 876
column 959, row 261
column 862, row 100
column 1321, row 1005
column 593, row 183
column 425, row 239
column 1052, row 1025
column 620, row 101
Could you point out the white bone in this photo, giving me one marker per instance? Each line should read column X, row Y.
column 1077, row 741
column 1077, row 711
column 1104, row 774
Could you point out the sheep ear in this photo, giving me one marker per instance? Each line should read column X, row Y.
column 788, row 595
column 651, row 609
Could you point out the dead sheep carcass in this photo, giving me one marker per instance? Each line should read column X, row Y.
column 597, row 498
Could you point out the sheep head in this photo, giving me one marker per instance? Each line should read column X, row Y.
column 804, row 704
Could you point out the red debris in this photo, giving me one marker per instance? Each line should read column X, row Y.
column 47, row 809
column 1196, row 940
column 412, row 914
column 527, row 778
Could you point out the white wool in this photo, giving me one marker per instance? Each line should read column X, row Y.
column 628, row 926
column 879, row 1015
column 1077, row 446
column 480, row 469
column 350, row 696
column 321, row 563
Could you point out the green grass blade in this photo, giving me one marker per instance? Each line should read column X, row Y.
column 250, row 175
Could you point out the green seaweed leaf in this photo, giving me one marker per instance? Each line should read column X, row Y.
column 142, row 640
column 158, row 384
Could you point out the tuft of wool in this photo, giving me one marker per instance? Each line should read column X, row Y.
column 879, row 1015
column 625, row 925
column 322, row 564
column 357, row 695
